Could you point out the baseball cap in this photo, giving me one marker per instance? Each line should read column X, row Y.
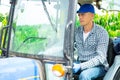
column 86, row 8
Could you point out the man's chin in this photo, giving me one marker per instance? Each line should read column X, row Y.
column 82, row 24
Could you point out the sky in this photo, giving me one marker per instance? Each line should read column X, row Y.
column 116, row 5
column 5, row 6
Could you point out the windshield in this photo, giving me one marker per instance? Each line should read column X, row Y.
column 38, row 27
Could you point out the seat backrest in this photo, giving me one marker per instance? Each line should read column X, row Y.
column 116, row 42
column 110, row 52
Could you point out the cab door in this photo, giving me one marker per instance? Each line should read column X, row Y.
column 44, row 30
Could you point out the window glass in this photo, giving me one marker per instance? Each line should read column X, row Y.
column 38, row 27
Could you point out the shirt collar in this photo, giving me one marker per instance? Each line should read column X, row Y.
column 93, row 29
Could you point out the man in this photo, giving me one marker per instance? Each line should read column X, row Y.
column 91, row 42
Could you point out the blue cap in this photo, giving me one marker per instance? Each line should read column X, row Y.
column 86, row 8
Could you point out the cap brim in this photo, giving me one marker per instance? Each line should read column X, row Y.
column 81, row 12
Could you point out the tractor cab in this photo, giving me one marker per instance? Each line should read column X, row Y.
column 37, row 35
column 37, row 39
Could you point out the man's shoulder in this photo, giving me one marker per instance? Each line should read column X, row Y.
column 101, row 31
column 99, row 28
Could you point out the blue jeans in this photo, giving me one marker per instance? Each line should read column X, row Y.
column 92, row 73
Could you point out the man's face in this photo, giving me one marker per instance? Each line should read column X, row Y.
column 85, row 18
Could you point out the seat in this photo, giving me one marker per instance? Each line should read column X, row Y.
column 110, row 52
column 110, row 58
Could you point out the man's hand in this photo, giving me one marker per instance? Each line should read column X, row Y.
column 76, row 67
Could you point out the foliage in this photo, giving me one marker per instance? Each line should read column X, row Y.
column 24, row 32
column 1, row 17
column 3, row 20
column 3, row 23
column 28, row 37
column 110, row 21
column 77, row 23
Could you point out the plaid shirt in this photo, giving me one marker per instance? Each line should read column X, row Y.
column 94, row 49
